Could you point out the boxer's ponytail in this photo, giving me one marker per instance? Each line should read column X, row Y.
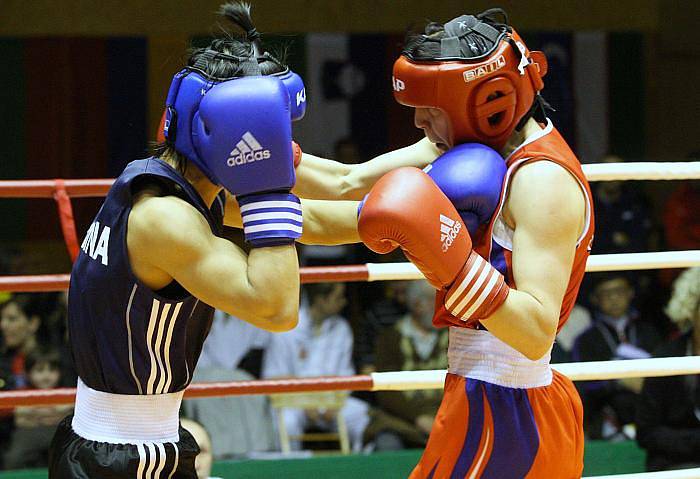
column 239, row 14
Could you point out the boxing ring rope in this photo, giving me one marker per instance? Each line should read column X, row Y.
column 84, row 188
column 681, row 474
column 681, row 170
column 391, row 271
column 62, row 190
column 384, row 381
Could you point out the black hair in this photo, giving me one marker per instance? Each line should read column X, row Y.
column 43, row 355
column 314, row 290
column 427, row 46
column 230, row 55
column 608, row 276
column 30, row 304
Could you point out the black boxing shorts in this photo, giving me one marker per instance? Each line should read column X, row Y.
column 74, row 457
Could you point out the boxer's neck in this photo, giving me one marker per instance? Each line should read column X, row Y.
column 206, row 189
column 517, row 138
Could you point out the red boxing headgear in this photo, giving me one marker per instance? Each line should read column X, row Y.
column 485, row 96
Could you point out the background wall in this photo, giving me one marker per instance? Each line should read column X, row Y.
column 84, row 82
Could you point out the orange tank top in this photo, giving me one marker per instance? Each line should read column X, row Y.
column 495, row 244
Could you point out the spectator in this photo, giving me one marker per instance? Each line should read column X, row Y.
column 579, row 321
column 382, row 314
column 618, row 332
column 19, row 322
column 237, row 425
column 668, row 412
column 623, row 223
column 406, row 417
column 681, row 219
column 321, row 345
column 34, row 426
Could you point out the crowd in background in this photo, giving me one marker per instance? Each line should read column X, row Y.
column 361, row 328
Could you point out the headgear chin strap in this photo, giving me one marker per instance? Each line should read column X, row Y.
column 484, row 95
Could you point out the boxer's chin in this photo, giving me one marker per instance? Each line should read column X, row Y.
column 442, row 146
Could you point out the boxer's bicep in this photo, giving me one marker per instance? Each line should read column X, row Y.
column 329, row 222
column 547, row 206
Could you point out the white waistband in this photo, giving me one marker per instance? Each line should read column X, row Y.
column 126, row 418
column 480, row 355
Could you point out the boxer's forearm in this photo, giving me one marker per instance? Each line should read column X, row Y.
column 320, row 178
column 329, row 222
column 325, row 222
column 524, row 324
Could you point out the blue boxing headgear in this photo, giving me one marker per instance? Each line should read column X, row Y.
column 206, row 133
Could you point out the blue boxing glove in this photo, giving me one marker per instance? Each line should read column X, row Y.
column 471, row 176
column 243, row 131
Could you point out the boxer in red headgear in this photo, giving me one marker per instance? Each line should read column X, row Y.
column 505, row 413
column 507, row 265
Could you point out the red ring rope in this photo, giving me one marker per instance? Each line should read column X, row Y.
column 53, row 397
column 59, row 282
column 46, row 188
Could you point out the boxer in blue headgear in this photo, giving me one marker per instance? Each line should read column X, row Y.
column 154, row 264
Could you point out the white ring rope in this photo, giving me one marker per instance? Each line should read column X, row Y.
column 594, row 370
column 686, row 170
column 680, row 474
column 633, row 261
column 599, row 262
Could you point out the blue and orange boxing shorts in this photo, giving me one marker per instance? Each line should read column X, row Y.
column 489, row 431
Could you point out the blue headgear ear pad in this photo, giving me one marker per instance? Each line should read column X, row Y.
column 297, row 93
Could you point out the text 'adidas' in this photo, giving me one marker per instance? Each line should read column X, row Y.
column 449, row 229
column 247, row 150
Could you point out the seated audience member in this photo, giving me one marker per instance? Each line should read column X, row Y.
column 618, row 332
column 238, row 425
column 204, row 459
column 681, row 220
column 35, row 426
column 579, row 321
column 19, row 323
column 20, row 318
column 668, row 410
column 320, row 345
column 381, row 314
column 404, row 418
column 623, row 220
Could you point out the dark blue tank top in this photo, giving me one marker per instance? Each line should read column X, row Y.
column 125, row 337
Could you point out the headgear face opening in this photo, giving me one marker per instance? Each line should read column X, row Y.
column 182, row 124
column 485, row 96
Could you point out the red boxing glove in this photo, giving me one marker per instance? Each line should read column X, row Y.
column 160, row 134
column 405, row 208
column 296, row 150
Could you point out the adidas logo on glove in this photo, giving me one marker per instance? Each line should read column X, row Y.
column 449, row 229
column 247, row 150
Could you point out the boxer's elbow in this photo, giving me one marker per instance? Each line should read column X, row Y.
column 279, row 315
column 542, row 338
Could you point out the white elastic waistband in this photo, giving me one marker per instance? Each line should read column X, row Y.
column 126, row 418
column 479, row 355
